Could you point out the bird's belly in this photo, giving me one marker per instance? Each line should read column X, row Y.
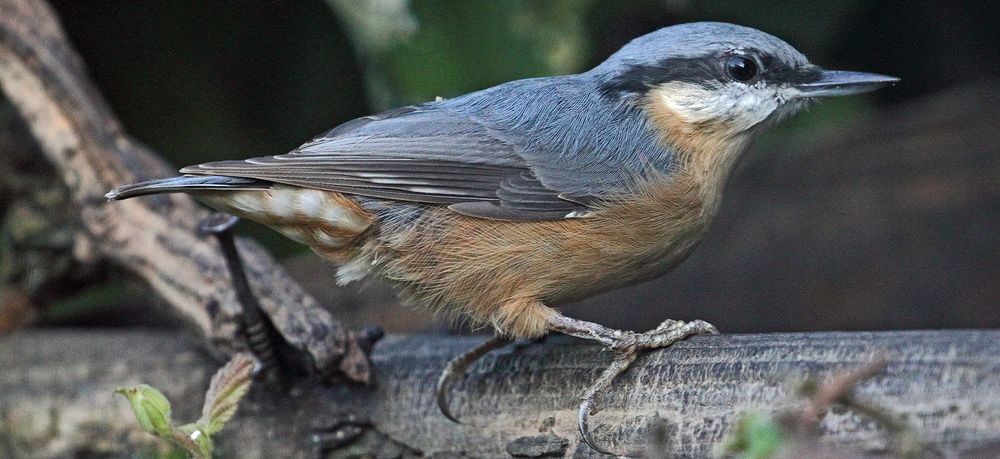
column 641, row 267
column 445, row 259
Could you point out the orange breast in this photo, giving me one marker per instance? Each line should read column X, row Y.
column 478, row 267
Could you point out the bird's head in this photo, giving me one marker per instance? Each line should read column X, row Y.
column 713, row 85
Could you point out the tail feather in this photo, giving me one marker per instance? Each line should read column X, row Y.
column 184, row 184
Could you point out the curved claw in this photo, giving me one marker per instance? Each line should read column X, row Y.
column 582, row 421
column 626, row 345
column 457, row 366
column 588, row 404
column 443, row 383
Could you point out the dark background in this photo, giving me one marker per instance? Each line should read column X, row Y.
column 873, row 212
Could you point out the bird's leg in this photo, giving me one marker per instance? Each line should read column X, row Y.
column 457, row 366
column 626, row 345
column 259, row 334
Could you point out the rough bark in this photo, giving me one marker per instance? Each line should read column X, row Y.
column 154, row 238
column 55, row 395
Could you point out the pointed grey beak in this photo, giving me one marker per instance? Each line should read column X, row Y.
column 841, row 83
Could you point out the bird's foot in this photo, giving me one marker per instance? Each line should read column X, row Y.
column 625, row 345
column 456, row 368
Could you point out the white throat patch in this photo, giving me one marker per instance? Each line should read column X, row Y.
column 737, row 106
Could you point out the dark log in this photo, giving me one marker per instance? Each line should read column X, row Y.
column 56, row 394
column 155, row 238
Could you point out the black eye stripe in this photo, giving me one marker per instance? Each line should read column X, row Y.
column 639, row 78
column 703, row 70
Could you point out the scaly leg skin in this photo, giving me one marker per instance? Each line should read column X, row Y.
column 626, row 345
column 456, row 368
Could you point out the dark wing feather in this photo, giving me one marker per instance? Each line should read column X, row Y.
column 415, row 155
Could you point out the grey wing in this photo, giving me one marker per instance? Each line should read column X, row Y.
column 414, row 154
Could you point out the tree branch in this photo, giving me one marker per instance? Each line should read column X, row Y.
column 944, row 384
column 154, row 238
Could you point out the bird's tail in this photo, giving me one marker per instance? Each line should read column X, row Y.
column 327, row 221
column 186, row 184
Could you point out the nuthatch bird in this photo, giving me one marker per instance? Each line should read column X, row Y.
column 501, row 204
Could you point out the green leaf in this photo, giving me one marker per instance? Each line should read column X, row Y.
column 151, row 409
column 228, row 386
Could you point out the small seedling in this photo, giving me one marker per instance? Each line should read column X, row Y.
column 228, row 386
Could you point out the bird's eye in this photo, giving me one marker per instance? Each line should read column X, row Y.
column 741, row 68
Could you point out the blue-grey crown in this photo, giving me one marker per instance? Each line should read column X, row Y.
column 694, row 52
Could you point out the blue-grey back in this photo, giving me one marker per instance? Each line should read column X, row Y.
column 574, row 140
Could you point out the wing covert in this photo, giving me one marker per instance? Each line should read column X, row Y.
column 413, row 154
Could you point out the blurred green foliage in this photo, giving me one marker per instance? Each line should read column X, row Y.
column 512, row 40
column 755, row 436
